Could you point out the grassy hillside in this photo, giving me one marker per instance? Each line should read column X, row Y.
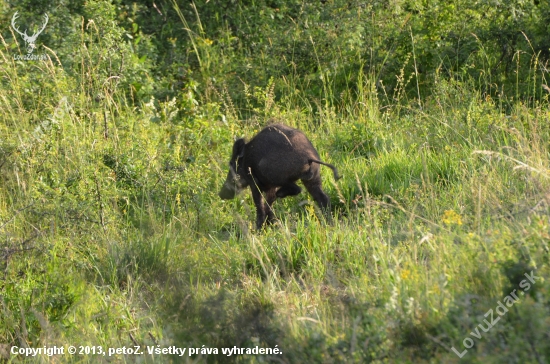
column 113, row 150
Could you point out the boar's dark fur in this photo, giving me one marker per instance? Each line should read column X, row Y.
column 270, row 164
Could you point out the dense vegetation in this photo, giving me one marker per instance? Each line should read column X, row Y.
column 113, row 149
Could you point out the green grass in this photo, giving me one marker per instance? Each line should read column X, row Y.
column 112, row 232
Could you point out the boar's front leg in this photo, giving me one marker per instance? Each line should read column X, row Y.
column 270, row 197
column 263, row 206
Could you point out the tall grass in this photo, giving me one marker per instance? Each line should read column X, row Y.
column 112, row 233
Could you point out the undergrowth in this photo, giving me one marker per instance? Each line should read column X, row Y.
column 112, row 233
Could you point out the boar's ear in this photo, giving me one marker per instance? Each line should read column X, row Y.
column 238, row 148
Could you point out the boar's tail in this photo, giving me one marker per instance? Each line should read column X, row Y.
column 334, row 170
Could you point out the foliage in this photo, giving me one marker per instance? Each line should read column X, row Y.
column 113, row 148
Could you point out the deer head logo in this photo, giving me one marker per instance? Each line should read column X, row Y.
column 29, row 39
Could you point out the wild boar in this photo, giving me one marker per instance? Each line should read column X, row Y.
column 270, row 164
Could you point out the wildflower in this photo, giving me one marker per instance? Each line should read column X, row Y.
column 450, row 217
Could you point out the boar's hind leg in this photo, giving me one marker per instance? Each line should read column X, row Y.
column 263, row 208
column 313, row 186
column 291, row 189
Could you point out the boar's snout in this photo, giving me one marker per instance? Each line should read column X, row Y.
column 233, row 183
column 227, row 193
